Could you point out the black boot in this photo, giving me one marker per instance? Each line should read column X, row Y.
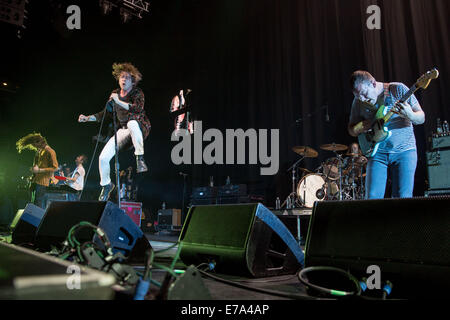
column 106, row 192
column 140, row 164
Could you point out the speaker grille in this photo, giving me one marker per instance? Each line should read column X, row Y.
column 395, row 230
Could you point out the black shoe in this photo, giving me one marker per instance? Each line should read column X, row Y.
column 106, row 192
column 140, row 164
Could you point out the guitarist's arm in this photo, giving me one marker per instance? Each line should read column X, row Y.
column 357, row 124
column 414, row 113
column 355, row 129
column 74, row 178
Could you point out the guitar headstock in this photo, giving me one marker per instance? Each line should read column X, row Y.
column 426, row 78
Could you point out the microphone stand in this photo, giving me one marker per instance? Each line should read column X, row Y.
column 116, row 155
column 290, row 204
column 184, row 193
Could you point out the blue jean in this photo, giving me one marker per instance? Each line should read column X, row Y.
column 73, row 197
column 39, row 196
column 401, row 166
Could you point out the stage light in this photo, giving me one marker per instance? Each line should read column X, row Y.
column 106, row 6
column 128, row 8
column 5, row 84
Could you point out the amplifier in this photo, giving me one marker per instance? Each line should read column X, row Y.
column 440, row 142
column 169, row 219
column 438, row 169
column 204, row 192
column 437, row 192
column 55, row 196
column 232, row 190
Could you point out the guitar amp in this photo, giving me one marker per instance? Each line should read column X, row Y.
column 438, row 169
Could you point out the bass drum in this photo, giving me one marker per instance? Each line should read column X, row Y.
column 311, row 188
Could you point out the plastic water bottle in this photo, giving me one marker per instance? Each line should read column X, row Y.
column 277, row 204
column 445, row 126
column 164, row 206
column 438, row 126
column 228, row 181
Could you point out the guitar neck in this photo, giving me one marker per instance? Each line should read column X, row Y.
column 405, row 97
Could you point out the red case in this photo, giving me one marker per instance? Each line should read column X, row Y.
column 133, row 210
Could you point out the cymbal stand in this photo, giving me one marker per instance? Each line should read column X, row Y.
column 292, row 198
column 353, row 180
column 340, row 173
column 362, row 185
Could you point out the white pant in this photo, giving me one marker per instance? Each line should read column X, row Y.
column 123, row 135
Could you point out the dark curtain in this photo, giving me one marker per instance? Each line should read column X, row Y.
column 275, row 62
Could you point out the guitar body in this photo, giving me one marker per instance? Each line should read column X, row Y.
column 370, row 140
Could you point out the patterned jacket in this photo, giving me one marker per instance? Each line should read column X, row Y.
column 136, row 111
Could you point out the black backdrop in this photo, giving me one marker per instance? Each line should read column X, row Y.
column 259, row 64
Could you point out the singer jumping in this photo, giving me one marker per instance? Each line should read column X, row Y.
column 134, row 126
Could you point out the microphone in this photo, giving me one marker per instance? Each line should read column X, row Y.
column 327, row 116
column 183, row 174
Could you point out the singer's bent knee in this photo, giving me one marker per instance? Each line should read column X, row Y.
column 133, row 124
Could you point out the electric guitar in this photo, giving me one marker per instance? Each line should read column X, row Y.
column 378, row 132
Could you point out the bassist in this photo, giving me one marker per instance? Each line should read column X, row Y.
column 397, row 154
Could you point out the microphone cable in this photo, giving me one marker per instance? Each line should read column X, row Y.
column 93, row 155
column 327, row 291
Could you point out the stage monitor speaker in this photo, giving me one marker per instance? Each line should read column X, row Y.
column 25, row 224
column 243, row 239
column 122, row 232
column 408, row 239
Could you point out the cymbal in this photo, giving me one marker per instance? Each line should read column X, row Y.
column 305, row 151
column 305, row 170
column 352, row 154
column 333, row 147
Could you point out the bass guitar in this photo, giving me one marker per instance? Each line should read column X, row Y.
column 378, row 132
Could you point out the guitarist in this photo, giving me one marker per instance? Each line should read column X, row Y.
column 44, row 165
column 76, row 178
column 398, row 153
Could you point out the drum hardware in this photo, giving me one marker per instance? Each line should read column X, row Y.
column 292, row 200
column 334, row 147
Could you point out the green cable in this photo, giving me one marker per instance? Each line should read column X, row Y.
column 177, row 255
column 168, row 248
column 160, row 266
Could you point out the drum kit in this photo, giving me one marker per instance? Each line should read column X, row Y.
column 340, row 177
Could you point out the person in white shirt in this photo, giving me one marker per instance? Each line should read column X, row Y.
column 76, row 179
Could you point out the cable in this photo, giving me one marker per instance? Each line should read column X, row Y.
column 265, row 291
column 93, row 155
column 332, row 292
